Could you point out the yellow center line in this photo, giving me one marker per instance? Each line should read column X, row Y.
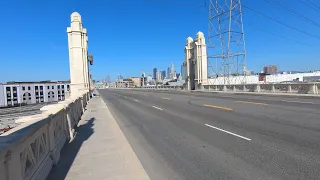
column 218, row 107
column 166, row 98
column 248, row 102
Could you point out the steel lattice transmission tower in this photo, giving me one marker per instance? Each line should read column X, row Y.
column 226, row 45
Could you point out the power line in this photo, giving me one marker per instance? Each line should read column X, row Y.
column 293, row 12
column 310, row 6
column 268, row 17
column 179, row 3
column 278, row 35
column 312, row 3
column 282, row 23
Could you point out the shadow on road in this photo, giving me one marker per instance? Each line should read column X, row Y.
column 70, row 151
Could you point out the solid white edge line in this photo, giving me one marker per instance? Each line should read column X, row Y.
column 136, row 100
column 298, row 102
column 125, row 97
column 228, row 132
column 157, row 108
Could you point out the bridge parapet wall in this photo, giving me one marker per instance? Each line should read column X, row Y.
column 30, row 150
column 293, row 88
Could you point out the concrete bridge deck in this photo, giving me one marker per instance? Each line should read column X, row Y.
column 204, row 136
column 99, row 150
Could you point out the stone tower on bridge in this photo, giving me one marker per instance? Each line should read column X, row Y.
column 78, row 55
column 195, row 62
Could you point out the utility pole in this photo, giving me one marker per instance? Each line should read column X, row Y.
column 226, row 44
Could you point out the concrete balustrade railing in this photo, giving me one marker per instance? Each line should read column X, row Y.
column 163, row 87
column 30, row 150
column 294, row 88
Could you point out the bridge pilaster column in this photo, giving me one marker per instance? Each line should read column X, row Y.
column 289, row 88
column 273, row 89
column 258, row 88
column 224, row 88
column 313, row 88
column 78, row 57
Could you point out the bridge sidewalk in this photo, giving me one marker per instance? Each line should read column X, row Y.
column 99, row 150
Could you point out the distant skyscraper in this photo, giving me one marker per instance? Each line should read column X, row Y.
column 149, row 79
column 158, row 76
column 172, row 72
column 168, row 73
column 108, row 79
column 163, row 75
column 155, row 73
column 182, row 72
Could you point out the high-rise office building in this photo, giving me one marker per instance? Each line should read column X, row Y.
column 155, row 70
column 172, row 71
column 149, row 79
column 163, row 75
column 168, row 73
column 108, row 79
column 158, row 76
column 182, row 72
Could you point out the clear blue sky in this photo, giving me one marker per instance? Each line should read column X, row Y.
column 128, row 36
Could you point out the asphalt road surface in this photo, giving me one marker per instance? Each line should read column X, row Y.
column 202, row 136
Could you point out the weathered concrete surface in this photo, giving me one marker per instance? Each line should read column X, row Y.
column 99, row 150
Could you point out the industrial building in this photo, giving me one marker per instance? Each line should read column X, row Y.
column 270, row 70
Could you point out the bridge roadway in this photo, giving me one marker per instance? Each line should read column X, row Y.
column 180, row 135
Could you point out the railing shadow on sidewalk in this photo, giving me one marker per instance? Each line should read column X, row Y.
column 70, row 151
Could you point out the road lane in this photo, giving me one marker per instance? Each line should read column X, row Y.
column 171, row 146
column 272, row 121
column 280, row 148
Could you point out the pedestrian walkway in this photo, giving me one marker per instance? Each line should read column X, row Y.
column 99, row 150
